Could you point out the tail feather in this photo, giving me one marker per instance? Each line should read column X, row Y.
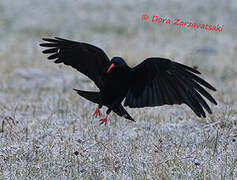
column 119, row 110
column 91, row 96
column 95, row 98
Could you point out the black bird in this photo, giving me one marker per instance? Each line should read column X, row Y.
column 154, row 82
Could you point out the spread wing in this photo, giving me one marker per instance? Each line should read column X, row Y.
column 86, row 58
column 159, row 81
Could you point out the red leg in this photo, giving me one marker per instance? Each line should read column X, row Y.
column 97, row 112
column 104, row 120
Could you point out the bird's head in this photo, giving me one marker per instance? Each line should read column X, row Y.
column 115, row 62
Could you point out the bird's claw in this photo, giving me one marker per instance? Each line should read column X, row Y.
column 103, row 121
column 97, row 112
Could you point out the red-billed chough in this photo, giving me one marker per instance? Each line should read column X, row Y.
column 154, row 82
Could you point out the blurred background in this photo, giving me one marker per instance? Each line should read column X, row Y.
column 44, row 122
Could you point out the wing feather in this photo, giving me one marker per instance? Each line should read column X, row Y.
column 86, row 58
column 159, row 81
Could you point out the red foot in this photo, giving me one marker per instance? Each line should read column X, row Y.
column 103, row 121
column 97, row 112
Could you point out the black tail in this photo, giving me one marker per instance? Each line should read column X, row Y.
column 119, row 110
column 91, row 96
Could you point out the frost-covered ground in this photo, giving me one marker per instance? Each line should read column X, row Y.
column 48, row 132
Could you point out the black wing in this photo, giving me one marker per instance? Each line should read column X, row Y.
column 86, row 58
column 158, row 81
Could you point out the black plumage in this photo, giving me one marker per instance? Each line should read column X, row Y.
column 154, row 82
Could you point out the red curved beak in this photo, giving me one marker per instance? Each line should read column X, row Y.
column 110, row 67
